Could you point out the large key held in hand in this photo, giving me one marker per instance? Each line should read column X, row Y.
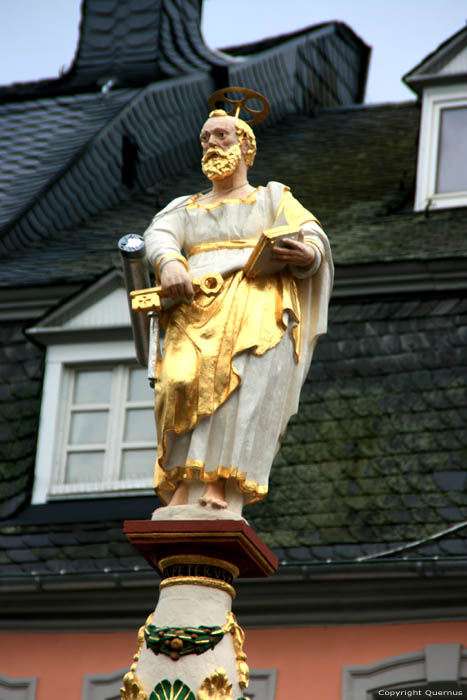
column 150, row 299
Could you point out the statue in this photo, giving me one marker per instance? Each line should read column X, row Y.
column 235, row 359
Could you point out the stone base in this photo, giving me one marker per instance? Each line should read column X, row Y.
column 194, row 511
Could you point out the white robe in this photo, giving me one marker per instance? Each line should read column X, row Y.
column 243, row 435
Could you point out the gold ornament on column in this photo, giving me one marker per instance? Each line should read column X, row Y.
column 132, row 688
column 216, row 687
column 238, row 638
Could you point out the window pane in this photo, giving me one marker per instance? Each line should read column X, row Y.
column 110, row 411
column 138, row 386
column 84, row 467
column 92, row 386
column 89, row 426
column 139, row 425
column 452, row 159
column 137, row 464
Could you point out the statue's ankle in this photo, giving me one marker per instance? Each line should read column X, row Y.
column 180, row 495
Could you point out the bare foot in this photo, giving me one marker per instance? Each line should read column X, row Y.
column 180, row 495
column 218, row 503
column 214, row 495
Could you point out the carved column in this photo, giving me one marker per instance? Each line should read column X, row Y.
column 191, row 647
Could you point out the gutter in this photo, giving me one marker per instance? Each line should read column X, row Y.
column 111, row 577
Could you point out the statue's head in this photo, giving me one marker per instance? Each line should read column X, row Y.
column 227, row 142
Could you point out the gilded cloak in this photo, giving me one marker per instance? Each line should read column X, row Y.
column 234, row 362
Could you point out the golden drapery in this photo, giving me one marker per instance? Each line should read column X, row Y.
column 246, row 318
column 198, row 374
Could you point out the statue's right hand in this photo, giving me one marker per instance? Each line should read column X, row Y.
column 175, row 281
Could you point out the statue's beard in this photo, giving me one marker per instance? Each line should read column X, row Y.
column 218, row 164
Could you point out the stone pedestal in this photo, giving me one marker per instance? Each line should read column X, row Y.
column 192, row 642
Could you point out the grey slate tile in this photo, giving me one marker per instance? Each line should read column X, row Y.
column 454, row 547
column 19, row 556
column 451, row 514
column 10, row 570
column 450, row 481
column 63, row 539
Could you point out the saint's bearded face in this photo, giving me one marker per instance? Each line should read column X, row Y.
column 218, row 164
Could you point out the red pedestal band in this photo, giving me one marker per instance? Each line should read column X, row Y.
column 229, row 540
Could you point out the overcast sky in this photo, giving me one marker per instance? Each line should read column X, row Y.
column 38, row 37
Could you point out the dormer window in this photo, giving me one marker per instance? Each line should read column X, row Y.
column 106, row 433
column 442, row 156
column 97, row 435
column 440, row 80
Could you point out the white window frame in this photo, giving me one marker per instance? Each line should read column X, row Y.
column 434, row 663
column 17, row 688
column 435, row 100
column 59, row 359
column 262, row 685
column 103, row 686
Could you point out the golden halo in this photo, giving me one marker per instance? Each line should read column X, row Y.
column 258, row 115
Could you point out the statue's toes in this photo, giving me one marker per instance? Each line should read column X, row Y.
column 218, row 503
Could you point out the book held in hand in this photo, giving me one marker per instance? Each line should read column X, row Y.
column 261, row 261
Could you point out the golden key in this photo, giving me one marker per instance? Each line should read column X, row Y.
column 150, row 299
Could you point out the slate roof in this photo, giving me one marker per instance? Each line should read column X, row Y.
column 372, row 471
column 132, row 43
column 70, row 157
column 374, row 460
column 41, row 138
column 378, row 451
column 349, row 41
column 153, row 40
column 21, row 368
column 59, row 136
column 376, row 457
column 355, row 171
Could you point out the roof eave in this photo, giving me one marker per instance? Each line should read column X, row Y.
column 427, row 69
column 289, row 600
column 418, row 83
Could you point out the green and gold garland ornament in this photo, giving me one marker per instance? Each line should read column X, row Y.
column 176, row 641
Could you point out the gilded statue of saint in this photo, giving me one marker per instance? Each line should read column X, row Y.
column 233, row 362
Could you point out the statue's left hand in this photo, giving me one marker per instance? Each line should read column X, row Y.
column 295, row 252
